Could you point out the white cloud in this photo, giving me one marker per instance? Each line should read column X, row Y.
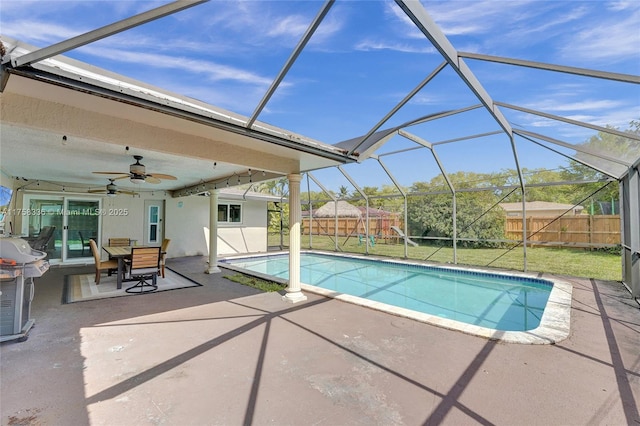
column 583, row 105
column 614, row 39
column 40, row 32
column 211, row 70
column 394, row 13
column 367, row 45
column 291, row 26
column 477, row 17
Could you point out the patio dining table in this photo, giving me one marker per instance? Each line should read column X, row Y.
column 120, row 253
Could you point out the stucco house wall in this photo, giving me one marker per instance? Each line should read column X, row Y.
column 187, row 225
column 186, row 220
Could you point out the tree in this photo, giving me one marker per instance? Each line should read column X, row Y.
column 477, row 217
column 611, row 145
column 278, row 187
column 278, row 213
column 344, row 192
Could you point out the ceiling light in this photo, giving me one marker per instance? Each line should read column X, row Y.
column 137, row 179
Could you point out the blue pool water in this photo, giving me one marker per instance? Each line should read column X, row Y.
column 495, row 301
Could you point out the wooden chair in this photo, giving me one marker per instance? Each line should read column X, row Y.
column 163, row 254
column 144, row 264
column 109, row 265
column 119, row 242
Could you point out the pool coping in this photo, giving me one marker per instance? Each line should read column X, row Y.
column 554, row 325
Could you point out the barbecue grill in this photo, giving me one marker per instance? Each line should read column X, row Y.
column 20, row 264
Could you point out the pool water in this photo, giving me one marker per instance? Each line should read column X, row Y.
column 496, row 301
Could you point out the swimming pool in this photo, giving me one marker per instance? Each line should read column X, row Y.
column 507, row 307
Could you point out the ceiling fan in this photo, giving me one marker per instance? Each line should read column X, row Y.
column 137, row 173
column 111, row 190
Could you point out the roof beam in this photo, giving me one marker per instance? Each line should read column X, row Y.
column 574, row 147
column 294, row 55
column 219, row 183
column 429, row 145
column 400, row 105
column 570, row 121
column 384, row 135
column 103, row 32
column 479, row 135
column 392, row 177
column 584, row 163
column 627, row 78
column 416, row 12
column 321, row 186
column 463, row 138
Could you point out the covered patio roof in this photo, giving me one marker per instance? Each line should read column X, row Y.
column 63, row 119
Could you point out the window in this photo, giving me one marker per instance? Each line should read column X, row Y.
column 229, row 213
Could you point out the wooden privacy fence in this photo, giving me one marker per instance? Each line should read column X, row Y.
column 378, row 226
column 578, row 230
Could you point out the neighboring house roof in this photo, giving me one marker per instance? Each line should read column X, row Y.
column 344, row 210
column 539, row 205
column 374, row 212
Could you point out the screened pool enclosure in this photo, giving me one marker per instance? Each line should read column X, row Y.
column 452, row 129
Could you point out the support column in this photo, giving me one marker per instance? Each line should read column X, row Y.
column 294, row 293
column 630, row 217
column 213, row 233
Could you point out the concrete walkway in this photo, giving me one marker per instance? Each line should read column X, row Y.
column 225, row 354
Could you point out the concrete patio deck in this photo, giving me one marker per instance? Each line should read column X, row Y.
column 226, row 354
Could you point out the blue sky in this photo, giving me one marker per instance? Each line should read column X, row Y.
column 364, row 58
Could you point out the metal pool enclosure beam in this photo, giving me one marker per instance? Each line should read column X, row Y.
column 630, row 212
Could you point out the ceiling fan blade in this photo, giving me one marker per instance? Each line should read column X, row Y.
column 121, row 177
column 127, row 192
column 96, row 191
column 110, row 173
column 162, row 176
column 152, row 179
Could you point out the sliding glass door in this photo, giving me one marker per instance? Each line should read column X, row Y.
column 74, row 222
column 83, row 224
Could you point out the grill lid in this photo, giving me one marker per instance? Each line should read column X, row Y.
column 19, row 250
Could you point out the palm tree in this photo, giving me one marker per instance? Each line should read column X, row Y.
column 344, row 192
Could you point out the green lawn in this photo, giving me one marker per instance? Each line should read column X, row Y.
column 565, row 261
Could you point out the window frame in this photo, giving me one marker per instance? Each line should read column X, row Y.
column 228, row 208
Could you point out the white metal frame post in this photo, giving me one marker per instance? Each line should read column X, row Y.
column 293, row 291
column 630, row 217
column 213, row 233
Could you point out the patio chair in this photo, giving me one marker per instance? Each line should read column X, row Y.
column 119, row 242
column 109, row 265
column 163, row 254
column 85, row 242
column 144, row 265
column 41, row 242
